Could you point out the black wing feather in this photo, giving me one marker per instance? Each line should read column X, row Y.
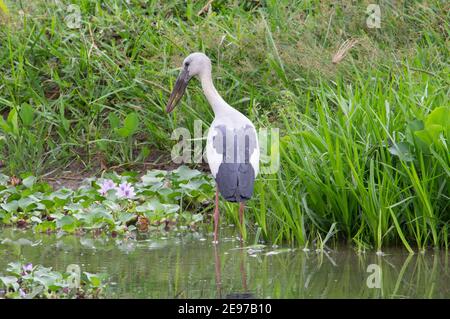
column 236, row 176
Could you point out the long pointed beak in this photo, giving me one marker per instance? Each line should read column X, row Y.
column 178, row 90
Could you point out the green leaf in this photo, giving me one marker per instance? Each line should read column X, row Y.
column 36, row 220
column 184, row 173
column 113, row 206
column 424, row 136
column 27, row 203
column 155, row 207
column 15, row 268
column 152, row 177
column 400, row 233
column 130, row 125
column 5, row 126
column 193, row 185
column 93, row 279
column 3, row 178
column 29, row 181
column 102, row 217
column 13, row 121
column 411, row 136
column 439, row 116
column 102, row 145
column 3, row 7
column 47, row 278
column 26, row 114
column 67, row 223
column 197, row 218
column 401, row 150
column 171, row 208
column 36, row 291
column 45, row 226
column 55, row 286
column 10, row 281
column 132, row 122
column 313, row 140
column 7, row 218
column 125, row 217
column 145, row 152
column 436, row 123
column 150, row 206
column 416, row 125
column 434, row 130
column 11, row 206
column 114, row 120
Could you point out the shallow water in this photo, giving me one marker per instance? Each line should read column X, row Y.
column 189, row 266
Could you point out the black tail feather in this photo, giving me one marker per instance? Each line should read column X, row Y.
column 235, row 181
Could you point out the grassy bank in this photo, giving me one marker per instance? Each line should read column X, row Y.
column 364, row 142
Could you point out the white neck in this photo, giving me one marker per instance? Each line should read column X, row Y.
column 217, row 103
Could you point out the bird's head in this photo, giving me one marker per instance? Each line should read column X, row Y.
column 196, row 64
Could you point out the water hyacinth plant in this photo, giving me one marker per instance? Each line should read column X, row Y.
column 27, row 268
column 114, row 204
column 28, row 282
column 125, row 190
column 105, row 186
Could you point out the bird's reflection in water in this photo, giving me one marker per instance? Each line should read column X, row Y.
column 245, row 294
column 218, row 272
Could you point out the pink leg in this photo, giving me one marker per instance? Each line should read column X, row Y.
column 241, row 217
column 216, row 218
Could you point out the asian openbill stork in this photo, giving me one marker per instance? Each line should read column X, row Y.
column 232, row 147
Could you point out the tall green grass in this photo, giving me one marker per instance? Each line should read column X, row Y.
column 364, row 143
column 357, row 159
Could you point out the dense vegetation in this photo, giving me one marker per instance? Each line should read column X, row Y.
column 36, row 281
column 114, row 204
column 364, row 141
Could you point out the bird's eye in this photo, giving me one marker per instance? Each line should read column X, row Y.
column 186, row 64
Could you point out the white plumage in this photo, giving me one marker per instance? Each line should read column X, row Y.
column 233, row 120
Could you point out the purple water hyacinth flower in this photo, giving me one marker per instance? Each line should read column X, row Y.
column 125, row 190
column 22, row 293
column 27, row 267
column 105, row 186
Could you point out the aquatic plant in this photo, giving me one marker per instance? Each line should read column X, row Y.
column 125, row 190
column 105, row 186
column 166, row 199
column 36, row 281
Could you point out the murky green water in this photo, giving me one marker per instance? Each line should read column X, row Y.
column 189, row 266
